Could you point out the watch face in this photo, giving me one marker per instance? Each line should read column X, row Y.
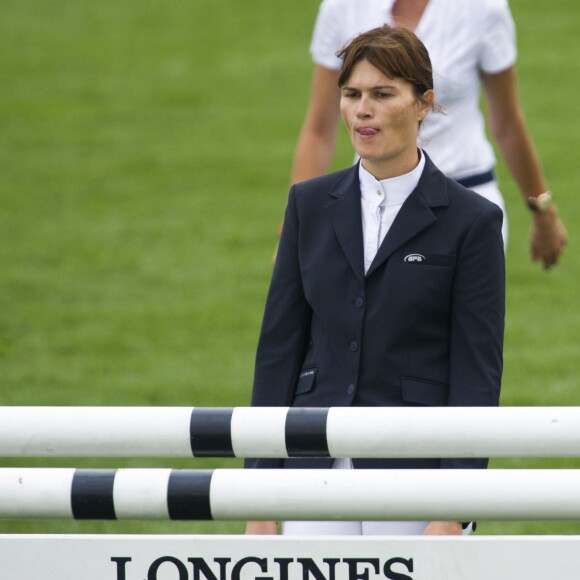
column 540, row 203
column 543, row 201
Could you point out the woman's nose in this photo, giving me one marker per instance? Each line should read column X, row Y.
column 363, row 110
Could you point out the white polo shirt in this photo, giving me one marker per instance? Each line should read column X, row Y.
column 464, row 38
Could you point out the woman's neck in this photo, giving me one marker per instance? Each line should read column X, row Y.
column 404, row 164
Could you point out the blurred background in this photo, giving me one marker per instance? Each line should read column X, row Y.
column 145, row 152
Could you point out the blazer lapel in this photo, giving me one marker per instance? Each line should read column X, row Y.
column 415, row 215
column 345, row 214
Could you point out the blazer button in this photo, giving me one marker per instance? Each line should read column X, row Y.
column 359, row 302
column 353, row 346
column 350, row 389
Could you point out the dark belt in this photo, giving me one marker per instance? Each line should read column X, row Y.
column 478, row 179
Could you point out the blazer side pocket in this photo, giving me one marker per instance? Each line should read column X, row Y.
column 424, row 392
column 305, row 381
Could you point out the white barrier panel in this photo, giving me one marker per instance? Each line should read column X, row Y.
column 281, row 432
column 277, row 558
column 237, row 494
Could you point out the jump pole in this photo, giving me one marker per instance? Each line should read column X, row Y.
column 237, row 494
column 282, row 432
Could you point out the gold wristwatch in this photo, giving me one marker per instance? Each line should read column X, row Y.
column 540, row 203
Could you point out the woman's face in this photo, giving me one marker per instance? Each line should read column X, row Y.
column 382, row 116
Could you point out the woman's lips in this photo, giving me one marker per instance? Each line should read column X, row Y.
column 367, row 131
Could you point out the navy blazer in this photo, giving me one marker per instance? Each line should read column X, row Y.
column 423, row 327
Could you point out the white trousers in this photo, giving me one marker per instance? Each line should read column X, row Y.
column 342, row 528
column 491, row 191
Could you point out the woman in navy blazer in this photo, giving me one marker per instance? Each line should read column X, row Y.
column 413, row 317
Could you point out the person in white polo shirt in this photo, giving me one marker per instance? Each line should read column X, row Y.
column 471, row 43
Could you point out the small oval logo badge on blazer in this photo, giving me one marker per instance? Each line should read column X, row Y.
column 415, row 258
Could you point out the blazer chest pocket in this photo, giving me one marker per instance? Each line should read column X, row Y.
column 305, row 381
column 424, row 392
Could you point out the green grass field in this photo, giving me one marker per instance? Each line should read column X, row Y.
column 145, row 151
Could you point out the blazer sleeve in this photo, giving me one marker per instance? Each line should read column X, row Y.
column 285, row 328
column 477, row 321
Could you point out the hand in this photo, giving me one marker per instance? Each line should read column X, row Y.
column 261, row 528
column 443, row 529
column 548, row 238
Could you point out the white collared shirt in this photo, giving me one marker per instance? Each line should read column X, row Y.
column 380, row 204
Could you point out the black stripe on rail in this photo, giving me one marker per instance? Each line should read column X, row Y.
column 306, row 433
column 92, row 494
column 210, row 432
column 188, row 494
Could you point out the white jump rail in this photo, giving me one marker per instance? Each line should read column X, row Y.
column 281, row 432
column 237, row 494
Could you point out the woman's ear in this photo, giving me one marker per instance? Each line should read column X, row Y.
column 426, row 103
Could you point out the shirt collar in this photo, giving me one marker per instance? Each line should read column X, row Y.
column 395, row 189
